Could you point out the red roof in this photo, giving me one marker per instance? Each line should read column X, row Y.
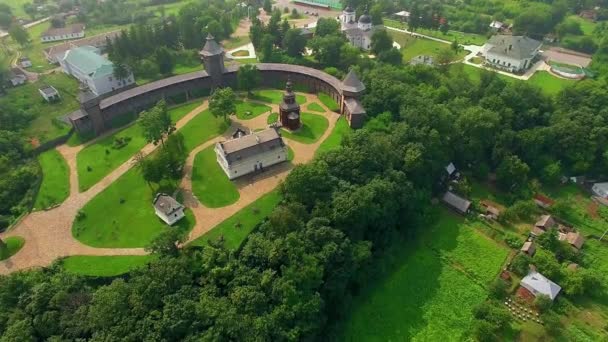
column 544, row 199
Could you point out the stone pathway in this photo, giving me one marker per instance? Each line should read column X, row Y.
column 247, row 47
column 48, row 234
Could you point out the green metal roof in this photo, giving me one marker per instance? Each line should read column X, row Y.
column 86, row 59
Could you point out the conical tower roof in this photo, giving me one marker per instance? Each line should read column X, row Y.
column 351, row 83
column 211, row 48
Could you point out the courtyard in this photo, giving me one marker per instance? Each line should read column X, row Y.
column 102, row 217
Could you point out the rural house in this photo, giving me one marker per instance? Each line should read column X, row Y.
column 528, row 248
column 95, row 71
column 574, row 239
column 49, row 93
column 359, row 33
column 251, row 153
column 62, row 33
column 25, row 62
column 16, row 77
column 456, row 202
column 538, row 284
column 545, row 223
column 511, row 53
column 600, row 190
column 167, row 208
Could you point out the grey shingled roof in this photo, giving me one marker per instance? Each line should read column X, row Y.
column 59, row 31
column 518, row 47
column 456, row 202
column 352, row 83
column 539, row 284
column 251, row 145
column 211, row 48
column 48, row 90
column 166, row 204
column 354, row 106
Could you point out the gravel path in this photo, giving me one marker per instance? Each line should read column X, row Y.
column 48, row 234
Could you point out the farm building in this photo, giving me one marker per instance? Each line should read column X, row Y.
column 49, row 93
column 575, row 239
column 251, row 153
column 538, row 284
column 456, row 202
column 600, row 190
column 528, row 248
column 62, row 33
column 168, row 209
column 545, row 223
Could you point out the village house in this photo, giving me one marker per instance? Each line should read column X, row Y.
column 461, row 205
column 497, row 25
column 543, row 201
column 251, row 153
column 54, row 53
column 49, row 93
column 528, row 248
column 600, row 190
column 25, row 62
column 574, row 239
column 93, row 70
column 545, row 223
column 359, row 33
column 423, row 59
column 168, row 209
column 16, row 77
column 54, row 34
column 538, row 284
column 511, row 53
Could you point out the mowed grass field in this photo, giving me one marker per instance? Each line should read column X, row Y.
column 45, row 125
column 329, row 102
column 429, row 287
column 55, row 186
column 248, row 110
column 274, row 96
column 461, row 37
column 313, row 127
column 122, row 215
column 235, row 229
column 97, row 160
column 334, row 140
column 104, row 266
column 412, row 47
column 209, row 182
column 201, row 128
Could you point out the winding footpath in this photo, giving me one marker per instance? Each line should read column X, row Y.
column 48, row 234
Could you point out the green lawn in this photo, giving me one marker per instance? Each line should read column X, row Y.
column 104, row 266
column 13, row 245
column 272, row 118
column 430, row 287
column 248, row 110
column 335, row 138
column 34, row 50
column 201, row 128
column 97, row 160
column 412, row 47
column 274, row 96
column 235, row 42
column 550, row 84
column 45, row 125
column 313, row 127
column 329, row 102
column 587, row 26
column 461, row 37
column 55, row 186
column 209, row 182
column 235, row 229
column 122, row 215
column 315, row 107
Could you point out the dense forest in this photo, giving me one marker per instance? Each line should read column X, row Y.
column 294, row 276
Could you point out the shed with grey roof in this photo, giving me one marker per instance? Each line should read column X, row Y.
column 168, row 208
column 461, row 205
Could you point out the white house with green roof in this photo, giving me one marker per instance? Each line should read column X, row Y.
column 92, row 69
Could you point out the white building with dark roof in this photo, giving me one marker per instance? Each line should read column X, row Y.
column 250, row 153
column 49, row 93
column 54, row 34
column 359, row 33
column 511, row 53
column 168, row 209
column 456, row 202
column 538, row 284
